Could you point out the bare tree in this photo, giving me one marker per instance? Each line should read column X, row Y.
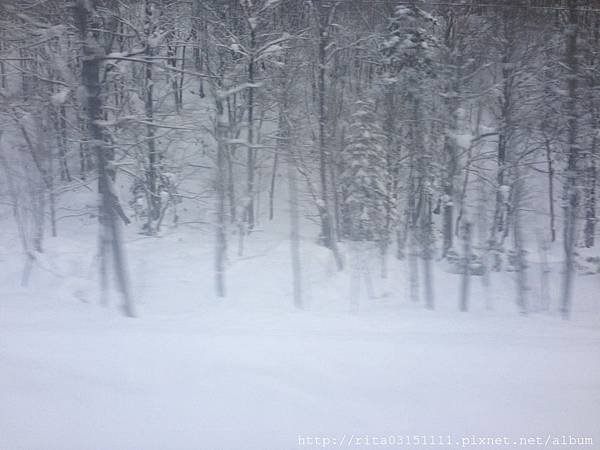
column 111, row 241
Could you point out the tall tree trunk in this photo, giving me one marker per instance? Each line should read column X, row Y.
column 427, row 222
column 220, row 186
column 272, row 187
column 326, row 225
column 424, row 206
column 466, row 274
column 550, row 165
column 545, row 271
column 483, row 238
column 60, row 126
column 153, row 195
column 90, row 77
column 84, row 151
column 3, row 84
column 591, row 183
column 519, row 250
column 197, row 33
column 411, row 232
column 285, row 146
column 454, row 62
column 547, row 129
column 451, row 154
column 181, row 77
column 327, row 228
column 499, row 223
column 323, row 13
column 392, row 155
column 51, row 193
column 174, row 79
column 250, row 211
column 571, row 191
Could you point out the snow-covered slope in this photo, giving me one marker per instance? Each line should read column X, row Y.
column 249, row 372
column 76, row 377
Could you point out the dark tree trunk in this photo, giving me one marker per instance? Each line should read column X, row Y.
column 466, row 275
column 272, row 187
column 250, row 211
column 220, row 183
column 550, row 164
column 109, row 225
column 571, row 203
column 323, row 11
column 590, row 194
column 152, row 175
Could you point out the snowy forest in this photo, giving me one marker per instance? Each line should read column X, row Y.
column 276, row 224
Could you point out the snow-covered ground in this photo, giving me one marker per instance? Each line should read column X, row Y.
column 250, row 372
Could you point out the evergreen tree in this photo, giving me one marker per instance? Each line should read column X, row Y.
column 409, row 53
column 364, row 177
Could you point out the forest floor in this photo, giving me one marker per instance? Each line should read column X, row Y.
column 250, row 372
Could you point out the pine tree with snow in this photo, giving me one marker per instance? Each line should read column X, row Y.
column 364, row 177
column 410, row 49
